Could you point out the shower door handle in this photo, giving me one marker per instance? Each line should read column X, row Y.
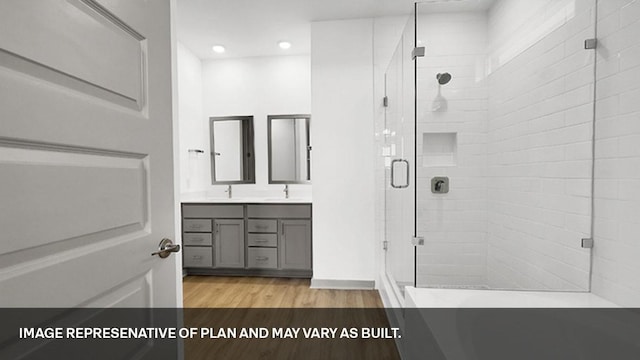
column 393, row 166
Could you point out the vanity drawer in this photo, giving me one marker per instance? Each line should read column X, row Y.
column 199, row 225
column 212, row 211
column 263, row 226
column 263, row 240
column 197, row 239
column 263, row 258
column 277, row 211
column 196, row 256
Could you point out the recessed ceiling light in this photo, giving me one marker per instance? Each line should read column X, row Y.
column 218, row 49
column 284, row 45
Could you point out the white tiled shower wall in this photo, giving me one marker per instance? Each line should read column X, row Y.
column 539, row 144
column 538, row 136
column 519, row 103
column 538, row 148
column 616, row 266
column 454, row 224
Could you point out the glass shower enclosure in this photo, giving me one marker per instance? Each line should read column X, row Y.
column 488, row 146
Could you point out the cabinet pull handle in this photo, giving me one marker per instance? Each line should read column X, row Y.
column 261, row 240
column 197, row 257
column 262, row 258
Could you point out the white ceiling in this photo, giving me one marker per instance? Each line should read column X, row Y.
column 254, row 27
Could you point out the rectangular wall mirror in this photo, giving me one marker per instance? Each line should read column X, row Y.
column 232, row 157
column 289, row 149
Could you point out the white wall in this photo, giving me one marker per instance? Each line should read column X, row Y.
column 342, row 96
column 192, row 134
column 257, row 86
column 616, row 265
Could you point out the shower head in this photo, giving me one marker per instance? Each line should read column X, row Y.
column 443, row 78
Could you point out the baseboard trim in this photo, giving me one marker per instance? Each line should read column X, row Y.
column 305, row 274
column 343, row 284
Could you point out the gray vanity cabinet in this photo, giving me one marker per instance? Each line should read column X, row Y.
column 229, row 243
column 291, row 228
column 212, row 236
column 247, row 239
column 295, row 244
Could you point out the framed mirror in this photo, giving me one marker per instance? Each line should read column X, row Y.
column 232, row 155
column 289, row 149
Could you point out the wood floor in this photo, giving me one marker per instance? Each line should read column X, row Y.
column 257, row 292
column 280, row 303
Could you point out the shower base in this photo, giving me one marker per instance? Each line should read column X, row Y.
column 471, row 298
column 466, row 324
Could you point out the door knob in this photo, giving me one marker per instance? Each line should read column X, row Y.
column 166, row 247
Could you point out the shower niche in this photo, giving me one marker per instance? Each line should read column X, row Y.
column 439, row 149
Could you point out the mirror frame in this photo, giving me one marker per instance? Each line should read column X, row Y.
column 248, row 149
column 307, row 118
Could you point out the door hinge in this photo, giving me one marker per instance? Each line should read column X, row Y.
column 587, row 243
column 591, row 44
column 417, row 240
column 385, row 245
column 385, row 101
column 417, row 52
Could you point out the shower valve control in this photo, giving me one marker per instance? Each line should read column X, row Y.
column 440, row 185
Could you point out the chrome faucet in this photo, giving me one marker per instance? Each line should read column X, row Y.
column 229, row 191
column 286, row 191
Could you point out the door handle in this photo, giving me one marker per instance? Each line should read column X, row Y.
column 166, row 247
column 393, row 163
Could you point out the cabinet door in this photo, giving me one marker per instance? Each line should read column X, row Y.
column 229, row 243
column 295, row 244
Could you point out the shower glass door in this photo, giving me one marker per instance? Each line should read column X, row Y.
column 504, row 144
column 398, row 152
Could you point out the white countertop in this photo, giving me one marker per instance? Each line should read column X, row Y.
column 195, row 198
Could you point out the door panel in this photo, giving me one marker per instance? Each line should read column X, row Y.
column 68, row 42
column 86, row 154
column 399, row 153
column 106, row 194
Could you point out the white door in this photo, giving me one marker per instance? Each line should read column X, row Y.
column 86, row 169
